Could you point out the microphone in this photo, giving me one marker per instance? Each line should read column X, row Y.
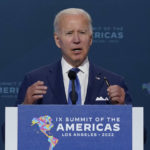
column 73, row 95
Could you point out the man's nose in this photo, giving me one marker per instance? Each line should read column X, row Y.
column 76, row 38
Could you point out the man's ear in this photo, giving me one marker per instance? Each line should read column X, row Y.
column 57, row 39
column 91, row 39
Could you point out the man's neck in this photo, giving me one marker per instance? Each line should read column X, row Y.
column 76, row 64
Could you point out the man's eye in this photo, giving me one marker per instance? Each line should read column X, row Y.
column 69, row 33
column 82, row 32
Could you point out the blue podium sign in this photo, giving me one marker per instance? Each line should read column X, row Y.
column 90, row 127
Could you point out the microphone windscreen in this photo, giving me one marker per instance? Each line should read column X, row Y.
column 72, row 75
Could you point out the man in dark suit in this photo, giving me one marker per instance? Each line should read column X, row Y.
column 49, row 84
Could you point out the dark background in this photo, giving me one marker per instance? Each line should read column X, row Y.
column 121, row 44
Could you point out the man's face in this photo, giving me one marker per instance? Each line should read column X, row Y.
column 74, row 38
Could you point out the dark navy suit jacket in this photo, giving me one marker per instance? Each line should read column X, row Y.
column 53, row 79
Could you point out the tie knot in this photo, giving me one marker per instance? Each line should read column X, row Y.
column 75, row 70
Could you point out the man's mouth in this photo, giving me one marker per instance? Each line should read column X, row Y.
column 77, row 49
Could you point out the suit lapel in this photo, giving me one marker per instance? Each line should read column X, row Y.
column 55, row 80
column 95, row 83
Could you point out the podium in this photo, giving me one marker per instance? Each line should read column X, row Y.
column 90, row 126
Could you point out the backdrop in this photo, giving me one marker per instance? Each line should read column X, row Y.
column 121, row 43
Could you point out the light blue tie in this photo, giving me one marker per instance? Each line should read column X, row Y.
column 77, row 88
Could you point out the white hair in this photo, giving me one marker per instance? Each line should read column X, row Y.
column 71, row 11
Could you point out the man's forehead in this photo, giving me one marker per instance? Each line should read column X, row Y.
column 73, row 22
column 73, row 16
column 73, row 27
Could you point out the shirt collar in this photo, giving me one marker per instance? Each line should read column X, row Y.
column 84, row 67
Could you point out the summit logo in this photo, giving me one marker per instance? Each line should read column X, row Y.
column 9, row 89
column 108, row 34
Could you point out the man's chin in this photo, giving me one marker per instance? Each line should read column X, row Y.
column 77, row 62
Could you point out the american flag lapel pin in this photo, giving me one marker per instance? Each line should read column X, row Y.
column 97, row 78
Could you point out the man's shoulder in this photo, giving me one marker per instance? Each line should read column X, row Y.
column 44, row 69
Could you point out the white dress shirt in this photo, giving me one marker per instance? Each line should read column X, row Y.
column 83, row 76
